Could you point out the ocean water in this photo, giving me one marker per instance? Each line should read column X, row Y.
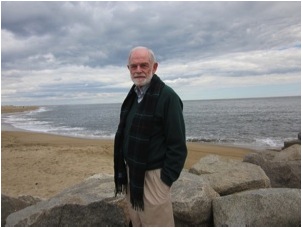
column 254, row 123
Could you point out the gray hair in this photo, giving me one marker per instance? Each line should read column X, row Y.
column 151, row 53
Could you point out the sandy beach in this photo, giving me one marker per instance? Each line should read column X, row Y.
column 43, row 165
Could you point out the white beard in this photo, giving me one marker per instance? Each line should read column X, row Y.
column 142, row 81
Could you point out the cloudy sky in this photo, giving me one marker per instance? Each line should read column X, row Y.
column 76, row 52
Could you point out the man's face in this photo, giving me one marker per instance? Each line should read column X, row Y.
column 141, row 68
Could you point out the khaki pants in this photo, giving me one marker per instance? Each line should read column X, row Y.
column 158, row 209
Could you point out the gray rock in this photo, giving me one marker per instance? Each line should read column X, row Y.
column 284, row 174
column 292, row 142
column 11, row 204
column 90, row 203
column 260, row 157
column 283, row 168
column 292, row 153
column 227, row 176
column 192, row 201
column 260, row 208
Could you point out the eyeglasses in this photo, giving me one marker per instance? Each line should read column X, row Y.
column 141, row 65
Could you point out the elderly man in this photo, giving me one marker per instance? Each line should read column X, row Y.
column 150, row 143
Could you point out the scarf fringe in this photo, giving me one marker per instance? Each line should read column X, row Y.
column 120, row 189
column 121, row 181
column 137, row 205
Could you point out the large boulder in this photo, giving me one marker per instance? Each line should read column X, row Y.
column 292, row 153
column 227, row 176
column 259, row 208
column 283, row 168
column 292, row 142
column 260, row 157
column 11, row 204
column 192, row 201
column 90, row 203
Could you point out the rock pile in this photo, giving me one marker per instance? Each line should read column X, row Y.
column 214, row 192
column 227, row 176
column 283, row 168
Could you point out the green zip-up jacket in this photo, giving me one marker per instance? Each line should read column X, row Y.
column 167, row 148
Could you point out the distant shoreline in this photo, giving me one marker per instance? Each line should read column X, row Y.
column 13, row 109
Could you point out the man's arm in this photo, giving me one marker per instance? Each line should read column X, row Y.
column 174, row 129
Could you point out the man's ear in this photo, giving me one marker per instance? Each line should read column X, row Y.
column 155, row 65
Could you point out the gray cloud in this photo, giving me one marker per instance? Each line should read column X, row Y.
column 61, row 36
